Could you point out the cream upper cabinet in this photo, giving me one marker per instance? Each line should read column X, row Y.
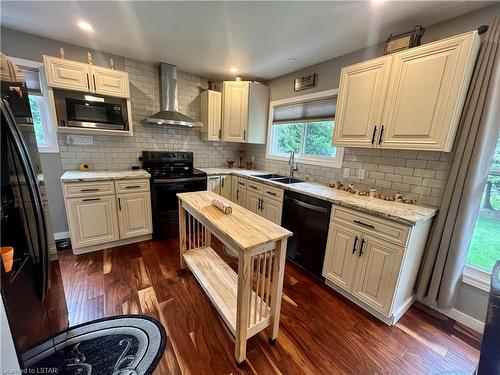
column 377, row 272
column 341, row 257
column 408, row 100
column 271, row 209
column 110, row 82
column 226, row 186
column 211, row 116
column 76, row 76
column 361, row 102
column 213, row 184
column 245, row 106
column 92, row 220
column 67, row 74
column 426, row 94
column 134, row 214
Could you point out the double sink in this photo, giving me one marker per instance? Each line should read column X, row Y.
column 278, row 178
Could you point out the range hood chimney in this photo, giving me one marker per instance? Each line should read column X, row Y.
column 169, row 114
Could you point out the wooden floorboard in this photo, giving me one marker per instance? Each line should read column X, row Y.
column 321, row 332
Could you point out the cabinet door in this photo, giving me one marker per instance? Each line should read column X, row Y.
column 225, row 186
column 377, row 273
column 234, row 188
column 341, row 255
column 110, row 82
column 213, row 184
column 271, row 210
column 211, row 117
column 360, row 103
column 92, row 221
column 67, row 74
column 427, row 92
column 253, row 202
column 241, row 196
column 134, row 214
column 235, row 111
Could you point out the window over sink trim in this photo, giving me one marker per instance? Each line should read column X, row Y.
column 326, row 161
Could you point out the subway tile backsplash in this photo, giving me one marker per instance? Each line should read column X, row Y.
column 419, row 175
column 118, row 153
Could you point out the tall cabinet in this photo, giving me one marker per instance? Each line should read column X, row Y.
column 211, row 117
column 408, row 100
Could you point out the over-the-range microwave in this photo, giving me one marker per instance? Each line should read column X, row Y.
column 87, row 111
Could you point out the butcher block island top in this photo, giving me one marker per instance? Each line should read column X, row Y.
column 248, row 301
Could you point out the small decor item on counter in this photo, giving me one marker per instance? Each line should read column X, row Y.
column 84, row 167
column 212, row 85
column 61, row 53
column 89, row 58
column 136, row 167
column 112, row 63
column 249, row 164
column 304, row 83
column 224, row 207
column 242, row 155
column 230, row 163
column 373, row 191
column 400, row 42
column 7, row 258
column 398, row 197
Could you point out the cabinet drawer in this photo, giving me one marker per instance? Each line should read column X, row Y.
column 85, row 189
column 131, row 186
column 380, row 228
column 273, row 193
column 242, row 182
column 254, row 186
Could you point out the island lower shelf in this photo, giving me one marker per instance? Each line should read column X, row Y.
column 220, row 283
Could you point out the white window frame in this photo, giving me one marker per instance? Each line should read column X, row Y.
column 477, row 278
column 50, row 145
column 333, row 162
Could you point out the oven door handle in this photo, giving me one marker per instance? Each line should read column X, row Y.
column 174, row 180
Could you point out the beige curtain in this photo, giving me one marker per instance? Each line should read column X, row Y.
column 451, row 234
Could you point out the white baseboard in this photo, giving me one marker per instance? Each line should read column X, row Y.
column 465, row 319
column 61, row 235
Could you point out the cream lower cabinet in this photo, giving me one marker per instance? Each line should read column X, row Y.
column 265, row 201
column 213, row 184
column 134, row 214
column 271, row 209
column 226, row 186
column 407, row 100
column 107, row 213
column 374, row 262
column 92, row 220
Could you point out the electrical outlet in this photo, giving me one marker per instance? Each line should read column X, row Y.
column 79, row 140
column 361, row 174
column 346, row 172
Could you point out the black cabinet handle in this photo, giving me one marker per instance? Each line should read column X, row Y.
column 87, row 190
column 381, row 134
column 259, row 206
column 237, row 194
column 119, row 204
column 373, row 135
column 222, row 181
column 220, row 133
column 132, row 187
column 93, row 76
column 364, row 224
column 88, row 82
column 361, row 248
column 271, row 193
column 91, row 199
column 253, row 187
column 354, row 246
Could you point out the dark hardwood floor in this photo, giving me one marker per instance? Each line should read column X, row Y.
column 320, row 332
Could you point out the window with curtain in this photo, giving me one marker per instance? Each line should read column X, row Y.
column 45, row 135
column 305, row 127
column 484, row 249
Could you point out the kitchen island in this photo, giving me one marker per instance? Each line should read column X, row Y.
column 249, row 301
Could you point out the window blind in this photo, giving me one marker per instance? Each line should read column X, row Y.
column 314, row 110
column 32, row 80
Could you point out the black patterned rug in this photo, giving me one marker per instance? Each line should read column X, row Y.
column 121, row 345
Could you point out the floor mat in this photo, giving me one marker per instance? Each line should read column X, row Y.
column 125, row 345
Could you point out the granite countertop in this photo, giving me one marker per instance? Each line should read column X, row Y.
column 79, row 176
column 408, row 214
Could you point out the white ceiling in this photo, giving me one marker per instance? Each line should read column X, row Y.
column 207, row 38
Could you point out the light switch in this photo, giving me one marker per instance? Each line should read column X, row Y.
column 361, row 173
column 346, row 172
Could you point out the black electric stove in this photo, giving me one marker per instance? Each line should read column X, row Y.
column 171, row 173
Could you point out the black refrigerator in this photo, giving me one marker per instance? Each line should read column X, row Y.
column 23, row 227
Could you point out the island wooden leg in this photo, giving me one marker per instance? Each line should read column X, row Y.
column 243, row 305
column 277, row 288
column 182, row 235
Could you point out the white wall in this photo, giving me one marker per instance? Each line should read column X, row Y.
column 8, row 356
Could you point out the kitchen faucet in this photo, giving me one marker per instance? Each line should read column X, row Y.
column 292, row 164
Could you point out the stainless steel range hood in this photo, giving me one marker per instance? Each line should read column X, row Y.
column 169, row 114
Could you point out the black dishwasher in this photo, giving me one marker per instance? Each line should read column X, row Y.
column 308, row 218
